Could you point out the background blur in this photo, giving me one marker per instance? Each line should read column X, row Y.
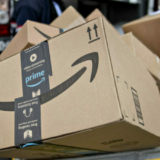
column 117, row 12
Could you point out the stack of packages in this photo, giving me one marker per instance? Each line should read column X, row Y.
column 83, row 92
column 145, row 32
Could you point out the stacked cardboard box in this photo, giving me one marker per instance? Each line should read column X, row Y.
column 31, row 33
column 70, row 18
column 81, row 89
column 149, row 60
column 146, row 29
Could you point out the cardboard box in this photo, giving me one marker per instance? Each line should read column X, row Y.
column 30, row 34
column 99, row 98
column 149, row 60
column 147, row 31
column 96, row 14
column 70, row 18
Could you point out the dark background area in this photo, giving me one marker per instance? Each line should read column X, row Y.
column 115, row 11
column 118, row 12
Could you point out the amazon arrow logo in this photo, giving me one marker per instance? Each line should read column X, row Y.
column 58, row 90
column 43, row 34
column 69, row 82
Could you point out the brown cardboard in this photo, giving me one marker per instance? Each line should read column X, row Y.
column 32, row 154
column 149, row 60
column 30, row 34
column 47, row 151
column 147, row 31
column 70, row 18
column 96, row 14
column 121, row 101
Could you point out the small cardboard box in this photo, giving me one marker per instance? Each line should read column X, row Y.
column 70, row 18
column 30, row 34
column 146, row 29
column 99, row 96
column 149, row 60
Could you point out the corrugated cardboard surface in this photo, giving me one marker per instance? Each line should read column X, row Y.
column 146, row 57
column 130, row 74
column 80, row 113
column 114, row 137
column 27, row 37
column 70, row 18
column 147, row 31
column 90, row 99
column 86, row 105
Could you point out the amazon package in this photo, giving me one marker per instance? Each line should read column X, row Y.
column 149, row 60
column 146, row 29
column 82, row 92
column 30, row 34
column 70, row 18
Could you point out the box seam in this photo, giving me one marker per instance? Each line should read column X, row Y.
column 106, row 41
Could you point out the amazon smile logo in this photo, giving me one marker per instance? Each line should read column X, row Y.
column 43, row 34
column 33, row 77
column 58, row 90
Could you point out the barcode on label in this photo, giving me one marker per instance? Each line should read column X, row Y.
column 137, row 106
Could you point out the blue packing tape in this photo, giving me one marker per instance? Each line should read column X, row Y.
column 29, row 144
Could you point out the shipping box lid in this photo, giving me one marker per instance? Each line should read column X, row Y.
column 97, row 86
column 149, row 60
column 30, row 34
column 70, row 18
column 146, row 29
